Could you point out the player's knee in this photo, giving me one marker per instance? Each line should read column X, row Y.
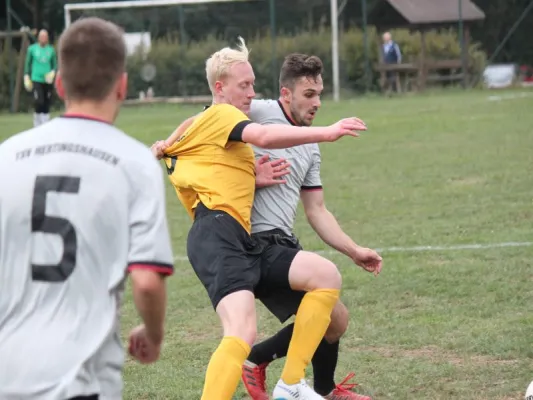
column 245, row 330
column 237, row 313
column 309, row 271
column 326, row 276
column 340, row 319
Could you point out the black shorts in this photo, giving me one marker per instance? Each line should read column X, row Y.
column 42, row 93
column 227, row 259
column 283, row 304
column 93, row 397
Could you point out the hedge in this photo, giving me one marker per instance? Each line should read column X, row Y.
column 181, row 68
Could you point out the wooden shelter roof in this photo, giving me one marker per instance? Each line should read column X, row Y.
column 422, row 12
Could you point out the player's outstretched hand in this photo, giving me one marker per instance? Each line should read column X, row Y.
column 368, row 259
column 268, row 173
column 141, row 347
column 158, row 149
column 346, row 127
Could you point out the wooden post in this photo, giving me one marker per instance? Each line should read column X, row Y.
column 467, row 56
column 422, row 61
column 398, row 82
column 380, row 63
column 20, row 71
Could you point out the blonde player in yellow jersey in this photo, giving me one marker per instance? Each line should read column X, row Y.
column 212, row 167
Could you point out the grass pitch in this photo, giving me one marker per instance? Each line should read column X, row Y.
column 438, row 169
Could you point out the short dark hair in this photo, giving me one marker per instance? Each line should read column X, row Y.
column 296, row 66
column 92, row 57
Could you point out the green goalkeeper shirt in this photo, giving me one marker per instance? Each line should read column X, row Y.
column 40, row 61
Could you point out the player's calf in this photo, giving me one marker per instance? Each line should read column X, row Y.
column 237, row 314
column 340, row 319
column 322, row 281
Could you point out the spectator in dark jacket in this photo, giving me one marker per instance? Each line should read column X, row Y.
column 391, row 55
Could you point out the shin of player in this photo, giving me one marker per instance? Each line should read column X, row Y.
column 218, row 196
column 39, row 74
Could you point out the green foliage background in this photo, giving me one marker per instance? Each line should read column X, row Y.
column 181, row 68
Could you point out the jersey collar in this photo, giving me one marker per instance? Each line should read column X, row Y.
column 84, row 116
column 287, row 117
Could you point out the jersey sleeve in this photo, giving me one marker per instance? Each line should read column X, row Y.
column 53, row 61
column 228, row 123
column 150, row 246
column 312, row 179
column 27, row 63
column 261, row 111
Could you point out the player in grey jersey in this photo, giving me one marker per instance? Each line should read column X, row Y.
column 81, row 204
column 273, row 215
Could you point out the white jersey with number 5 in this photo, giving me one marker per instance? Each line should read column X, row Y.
column 80, row 204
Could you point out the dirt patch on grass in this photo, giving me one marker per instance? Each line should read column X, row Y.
column 467, row 181
column 437, row 355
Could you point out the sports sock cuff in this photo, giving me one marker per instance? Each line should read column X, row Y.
column 237, row 344
column 327, row 297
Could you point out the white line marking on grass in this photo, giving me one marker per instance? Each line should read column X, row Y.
column 416, row 249
column 509, row 96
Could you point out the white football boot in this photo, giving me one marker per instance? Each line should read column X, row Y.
column 298, row 391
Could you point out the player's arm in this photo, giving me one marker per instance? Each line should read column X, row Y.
column 276, row 136
column 27, row 63
column 324, row 223
column 174, row 136
column 318, row 216
column 159, row 147
column 280, row 136
column 150, row 256
column 149, row 296
column 27, row 69
column 51, row 75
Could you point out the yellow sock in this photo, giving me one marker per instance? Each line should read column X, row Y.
column 312, row 321
column 225, row 369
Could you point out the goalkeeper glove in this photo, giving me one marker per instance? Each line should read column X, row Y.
column 28, row 84
column 49, row 77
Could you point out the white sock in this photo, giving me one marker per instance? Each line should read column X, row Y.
column 36, row 119
column 45, row 118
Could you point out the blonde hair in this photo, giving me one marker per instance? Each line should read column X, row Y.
column 217, row 66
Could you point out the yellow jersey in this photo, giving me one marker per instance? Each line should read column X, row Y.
column 209, row 163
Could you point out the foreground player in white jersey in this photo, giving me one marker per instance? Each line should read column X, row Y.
column 81, row 204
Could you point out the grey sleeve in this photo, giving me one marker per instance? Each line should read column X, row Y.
column 312, row 179
column 261, row 111
column 150, row 246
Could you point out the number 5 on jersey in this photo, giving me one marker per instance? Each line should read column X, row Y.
column 40, row 222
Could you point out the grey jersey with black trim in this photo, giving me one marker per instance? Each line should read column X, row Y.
column 275, row 206
column 80, row 202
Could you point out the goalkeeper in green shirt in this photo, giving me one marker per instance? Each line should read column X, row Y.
column 39, row 73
